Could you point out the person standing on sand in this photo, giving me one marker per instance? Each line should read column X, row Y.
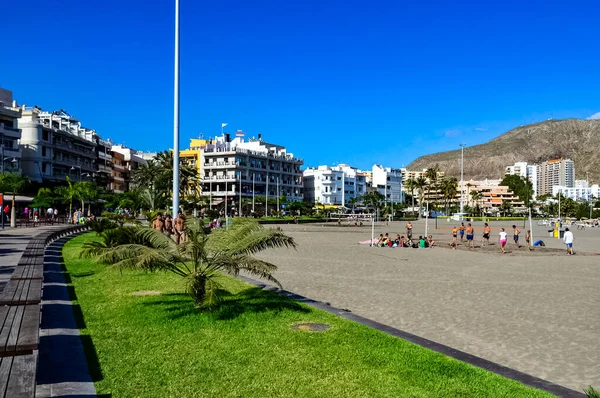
column 470, row 233
column 528, row 239
column 409, row 228
column 502, row 236
column 568, row 239
column 486, row 235
column 462, row 231
column 516, row 233
column 454, row 234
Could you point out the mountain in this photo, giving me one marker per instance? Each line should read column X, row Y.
column 571, row 138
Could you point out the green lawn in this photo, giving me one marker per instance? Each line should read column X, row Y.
column 161, row 346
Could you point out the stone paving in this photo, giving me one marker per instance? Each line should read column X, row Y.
column 62, row 365
column 537, row 312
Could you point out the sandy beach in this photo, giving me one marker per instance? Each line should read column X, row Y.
column 534, row 311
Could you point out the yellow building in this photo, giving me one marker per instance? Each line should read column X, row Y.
column 192, row 157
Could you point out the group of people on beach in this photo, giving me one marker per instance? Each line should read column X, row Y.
column 469, row 231
column 170, row 227
column 401, row 241
column 408, row 241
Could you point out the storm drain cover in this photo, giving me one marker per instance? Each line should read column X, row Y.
column 310, row 327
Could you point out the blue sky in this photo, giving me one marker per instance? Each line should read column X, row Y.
column 336, row 82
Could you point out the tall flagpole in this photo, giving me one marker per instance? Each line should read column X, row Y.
column 267, row 197
column 240, row 205
column 176, row 116
column 253, row 194
column 226, row 216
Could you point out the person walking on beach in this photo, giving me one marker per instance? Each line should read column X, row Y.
column 470, row 233
column 486, row 234
column 528, row 239
column 502, row 236
column 454, row 234
column 568, row 239
column 462, row 231
column 516, row 233
column 409, row 228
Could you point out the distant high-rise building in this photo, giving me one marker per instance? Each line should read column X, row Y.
column 559, row 172
column 527, row 171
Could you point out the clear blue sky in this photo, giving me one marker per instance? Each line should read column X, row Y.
column 335, row 81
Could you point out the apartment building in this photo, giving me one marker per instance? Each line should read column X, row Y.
column 55, row 145
column 10, row 134
column 125, row 162
column 559, row 172
column 388, row 182
column 582, row 191
column 234, row 168
column 527, row 171
column 334, row 185
column 104, row 162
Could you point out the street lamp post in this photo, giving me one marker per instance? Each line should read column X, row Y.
column 462, row 181
column 253, row 194
column 267, row 197
column 176, row 116
column 240, row 204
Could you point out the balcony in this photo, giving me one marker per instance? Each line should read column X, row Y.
column 120, row 179
column 10, row 131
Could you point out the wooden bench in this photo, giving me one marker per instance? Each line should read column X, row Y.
column 20, row 332
column 17, row 376
column 21, row 292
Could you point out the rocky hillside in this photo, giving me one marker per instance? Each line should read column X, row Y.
column 572, row 138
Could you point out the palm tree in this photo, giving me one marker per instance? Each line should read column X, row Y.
column 68, row 193
column 354, row 201
column 43, row 199
column 87, row 191
column 476, row 196
column 449, row 187
column 420, row 186
column 411, row 185
column 201, row 259
column 13, row 183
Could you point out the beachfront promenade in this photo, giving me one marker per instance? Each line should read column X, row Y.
column 536, row 312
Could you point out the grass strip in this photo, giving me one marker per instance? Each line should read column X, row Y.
column 162, row 346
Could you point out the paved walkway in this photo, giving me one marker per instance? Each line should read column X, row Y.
column 536, row 312
column 63, row 367
column 62, row 364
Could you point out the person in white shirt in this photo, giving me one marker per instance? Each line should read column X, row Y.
column 568, row 239
column 502, row 235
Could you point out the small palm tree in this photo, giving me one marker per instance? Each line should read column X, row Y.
column 420, row 185
column 68, row 193
column 201, row 259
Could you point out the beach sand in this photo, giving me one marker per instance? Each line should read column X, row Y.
column 537, row 312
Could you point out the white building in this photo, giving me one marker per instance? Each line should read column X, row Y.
column 578, row 193
column 388, row 182
column 527, row 171
column 10, row 134
column 239, row 168
column 55, row 145
column 335, row 185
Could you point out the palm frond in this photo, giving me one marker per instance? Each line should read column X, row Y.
column 248, row 237
column 256, row 267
